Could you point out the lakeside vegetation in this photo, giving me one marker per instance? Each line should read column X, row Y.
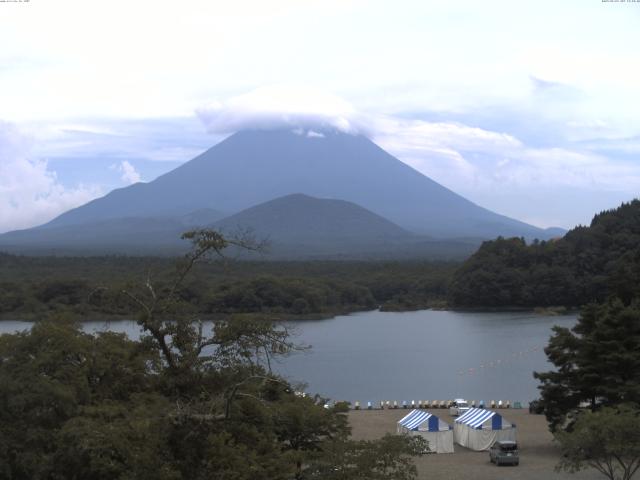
column 91, row 287
column 589, row 264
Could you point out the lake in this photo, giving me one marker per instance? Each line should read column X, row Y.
column 427, row 355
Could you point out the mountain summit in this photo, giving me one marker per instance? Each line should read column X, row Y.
column 253, row 167
column 293, row 186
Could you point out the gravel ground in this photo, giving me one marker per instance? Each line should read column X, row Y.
column 538, row 453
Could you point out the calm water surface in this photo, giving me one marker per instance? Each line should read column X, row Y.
column 428, row 355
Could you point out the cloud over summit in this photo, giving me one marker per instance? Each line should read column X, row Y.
column 279, row 107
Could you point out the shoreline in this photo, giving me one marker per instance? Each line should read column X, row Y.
column 288, row 317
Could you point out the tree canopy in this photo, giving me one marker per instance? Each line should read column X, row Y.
column 589, row 264
column 184, row 402
column 33, row 288
column 607, row 440
column 597, row 361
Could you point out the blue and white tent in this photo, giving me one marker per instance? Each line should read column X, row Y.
column 479, row 428
column 438, row 433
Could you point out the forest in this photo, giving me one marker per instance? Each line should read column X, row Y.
column 589, row 264
column 92, row 287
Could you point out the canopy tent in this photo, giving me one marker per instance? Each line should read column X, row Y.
column 438, row 433
column 478, row 429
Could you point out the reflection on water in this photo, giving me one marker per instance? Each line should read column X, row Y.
column 424, row 355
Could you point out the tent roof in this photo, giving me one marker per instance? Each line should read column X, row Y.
column 416, row 418
column 475, row 417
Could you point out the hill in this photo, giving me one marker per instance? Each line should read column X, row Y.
column 298, row 226
column 588, row 264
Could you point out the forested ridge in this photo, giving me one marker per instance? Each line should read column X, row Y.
column 91, row 287
column 589, row 264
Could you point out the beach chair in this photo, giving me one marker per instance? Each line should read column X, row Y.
column 357, row 405
column 473, row 404
column 500, row 404
column 420, row 405
column 517, row 404
column 395, row 404
column 493, row 404
column 388, row 405
column 369, row 406
column 507, row 404
column 404, row 404
column 413, row 404
column 443, row 404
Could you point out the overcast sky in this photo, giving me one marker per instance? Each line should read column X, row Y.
column 527, row 108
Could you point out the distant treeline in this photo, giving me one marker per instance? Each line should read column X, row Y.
column 92, row 287
column 589, row 264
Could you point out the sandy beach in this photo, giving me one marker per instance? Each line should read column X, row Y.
column 538, row 453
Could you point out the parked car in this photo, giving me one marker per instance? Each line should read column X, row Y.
column 458, row 407
column 535, row 406
column 504, row 452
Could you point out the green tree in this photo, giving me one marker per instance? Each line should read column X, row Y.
column 597, row 361
column 48, row 377
column 389, row 457
column 187, row 401
column 607, row 440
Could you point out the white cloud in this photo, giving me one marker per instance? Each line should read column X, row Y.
column 129, row 174
column 30, row 193
column 470, row 159
column 282, row 106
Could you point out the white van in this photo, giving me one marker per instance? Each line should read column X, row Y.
column 458, row 407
